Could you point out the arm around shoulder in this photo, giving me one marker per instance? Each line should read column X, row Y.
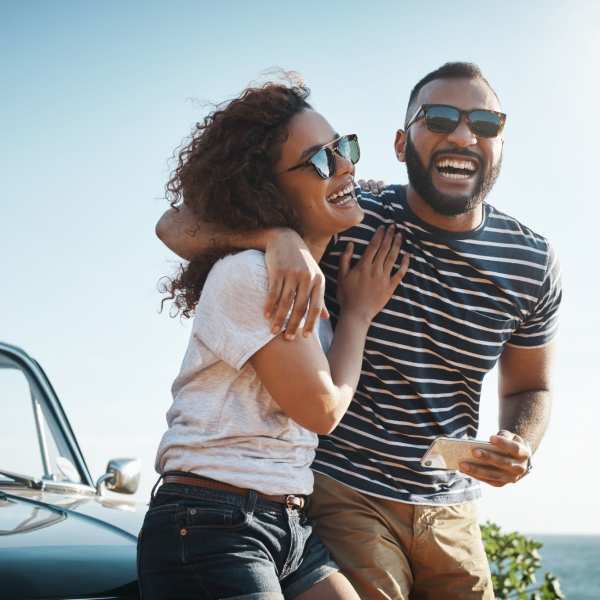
column 184, row 233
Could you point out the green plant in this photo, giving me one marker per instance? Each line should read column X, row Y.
column 514, row 560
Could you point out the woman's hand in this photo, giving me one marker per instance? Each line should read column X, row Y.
column 364, row 289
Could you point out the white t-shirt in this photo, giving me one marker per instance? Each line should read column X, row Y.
column 223, row 423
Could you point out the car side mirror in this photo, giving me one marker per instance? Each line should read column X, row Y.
column 122, row 476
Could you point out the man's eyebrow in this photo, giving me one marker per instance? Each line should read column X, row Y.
column 316, row 147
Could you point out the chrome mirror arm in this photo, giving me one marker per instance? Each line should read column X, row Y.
column 107, row 478
column 122, row 476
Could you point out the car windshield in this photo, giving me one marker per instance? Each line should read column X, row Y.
column 32, row 444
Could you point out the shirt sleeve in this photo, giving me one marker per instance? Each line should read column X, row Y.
column 229, row 316
column 541, row 325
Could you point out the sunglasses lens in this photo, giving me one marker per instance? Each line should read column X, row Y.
column 485, row 123
column 353, row 148
column 347, row 147
column 441, row 119
column 343, row 147
column 324, row 160
column 320, row 161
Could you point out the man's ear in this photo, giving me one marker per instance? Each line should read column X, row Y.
column 400, row 144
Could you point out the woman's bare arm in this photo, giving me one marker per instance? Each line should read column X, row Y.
column 300, row 379
column 316, row 390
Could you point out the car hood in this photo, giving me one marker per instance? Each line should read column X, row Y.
column 63, row 545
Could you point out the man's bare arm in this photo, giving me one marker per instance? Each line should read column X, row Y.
column 524, row 389
column 187, row 236
column 525, row 405
column 295, row 279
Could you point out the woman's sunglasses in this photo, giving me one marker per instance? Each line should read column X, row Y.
column 323, row 160
column 442, row 118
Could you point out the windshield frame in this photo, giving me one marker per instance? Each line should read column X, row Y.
column 53, row 413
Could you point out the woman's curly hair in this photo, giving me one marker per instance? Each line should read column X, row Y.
column 225, row 175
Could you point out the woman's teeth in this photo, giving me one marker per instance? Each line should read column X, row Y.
column 343, row 196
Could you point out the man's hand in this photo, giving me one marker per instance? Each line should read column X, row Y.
column 525, row 400
column 295, row 280
column 508, row 463
column 372, row 186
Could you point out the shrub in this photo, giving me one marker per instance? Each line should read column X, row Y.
column 514, row 560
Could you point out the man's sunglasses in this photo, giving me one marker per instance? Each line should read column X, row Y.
column 323, row 160
column 442, row 118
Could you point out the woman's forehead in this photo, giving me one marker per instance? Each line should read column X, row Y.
column 306, row 130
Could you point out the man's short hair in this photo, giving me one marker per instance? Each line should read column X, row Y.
column 450, row 70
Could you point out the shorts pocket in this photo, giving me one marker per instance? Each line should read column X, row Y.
column 215, row 517
column 206, row 532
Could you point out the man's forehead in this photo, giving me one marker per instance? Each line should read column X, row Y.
column 462, row 93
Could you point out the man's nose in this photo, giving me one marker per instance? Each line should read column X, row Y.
column 462, row 136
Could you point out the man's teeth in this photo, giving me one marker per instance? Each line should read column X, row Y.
column 342, row 196
column 456, row 169
column 468, row 165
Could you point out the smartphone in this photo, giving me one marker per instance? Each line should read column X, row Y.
column 447, row 453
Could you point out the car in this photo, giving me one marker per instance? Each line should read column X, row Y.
column 62, row 534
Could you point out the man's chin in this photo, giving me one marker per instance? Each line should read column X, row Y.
column 451, row 206
column 453, row 187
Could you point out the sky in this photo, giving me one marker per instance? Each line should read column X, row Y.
column 95, row 97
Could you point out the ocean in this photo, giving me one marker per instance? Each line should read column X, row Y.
column 575, row 560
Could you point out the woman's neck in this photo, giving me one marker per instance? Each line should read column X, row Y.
column 316, row 246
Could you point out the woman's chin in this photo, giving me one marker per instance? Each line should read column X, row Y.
column 349, row 215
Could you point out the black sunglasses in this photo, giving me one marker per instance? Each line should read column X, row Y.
column 443, row 118
column 323, row 160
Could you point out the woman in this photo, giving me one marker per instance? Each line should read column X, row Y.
column 228, row 520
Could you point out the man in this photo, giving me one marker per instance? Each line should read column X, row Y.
column 481, row 288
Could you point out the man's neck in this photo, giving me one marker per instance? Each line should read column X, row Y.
column 458, row 223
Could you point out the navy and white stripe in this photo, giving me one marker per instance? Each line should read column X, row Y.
column 464, row 298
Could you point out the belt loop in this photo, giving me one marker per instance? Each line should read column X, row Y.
column 250, row 505
column 153, row 492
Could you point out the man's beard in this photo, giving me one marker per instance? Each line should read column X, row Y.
column 421, row 180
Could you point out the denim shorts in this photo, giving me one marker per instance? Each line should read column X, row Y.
column 208, row 544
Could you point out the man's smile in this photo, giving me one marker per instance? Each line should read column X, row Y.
column 456, row 168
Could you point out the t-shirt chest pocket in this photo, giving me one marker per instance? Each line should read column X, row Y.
column 486, row 326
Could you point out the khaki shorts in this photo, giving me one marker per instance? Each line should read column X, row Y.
column 401, row 551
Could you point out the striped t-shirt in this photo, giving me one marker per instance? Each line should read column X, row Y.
column 465, row 296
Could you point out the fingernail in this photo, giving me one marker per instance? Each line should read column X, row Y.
column 268, row 314
column 289, row 336
column 275, row 328
column 478, row 453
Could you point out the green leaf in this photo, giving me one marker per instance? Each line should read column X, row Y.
column 514, row 559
